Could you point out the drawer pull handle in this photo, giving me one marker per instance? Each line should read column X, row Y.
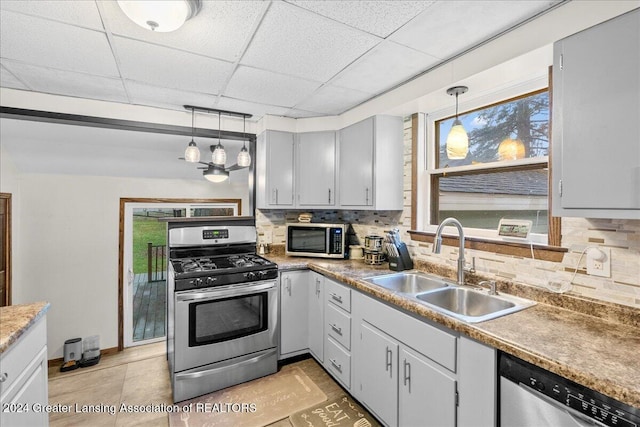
column 336, row 297
column 4, row 377
column 336, row 365
column 336, row 329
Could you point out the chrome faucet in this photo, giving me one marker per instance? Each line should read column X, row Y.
column 437, row 245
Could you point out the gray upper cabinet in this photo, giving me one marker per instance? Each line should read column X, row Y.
column 316, row 169
column 371, row 164
column 596, row 121
column 274, row 170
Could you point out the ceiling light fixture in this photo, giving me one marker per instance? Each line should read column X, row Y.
column 244, row 158
column 219, row 156
column 457, row 140
column 160, row 15
column 192, row 153
column 215, row 171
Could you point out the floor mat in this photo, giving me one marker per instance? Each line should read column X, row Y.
column 340, row 412
column 253, row 404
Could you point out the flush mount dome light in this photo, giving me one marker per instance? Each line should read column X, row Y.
column 160, row 15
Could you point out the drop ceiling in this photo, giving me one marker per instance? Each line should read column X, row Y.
column 284, row 58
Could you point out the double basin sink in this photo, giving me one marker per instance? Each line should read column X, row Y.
column 461, row 302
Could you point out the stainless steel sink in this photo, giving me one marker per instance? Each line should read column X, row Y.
column 408, row 283
column 472, row 305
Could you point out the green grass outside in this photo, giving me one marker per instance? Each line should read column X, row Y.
column 146, row 230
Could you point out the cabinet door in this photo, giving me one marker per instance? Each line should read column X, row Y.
column 294, row 303
column 316, row 316
column 356, row 164
column 280, row 168
column 427, row 396
column 596, row 97
column 316, row 171
column 377, row 373
column 30, row 389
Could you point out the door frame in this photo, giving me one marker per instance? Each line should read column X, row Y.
column 121, row 243
column 7, row 249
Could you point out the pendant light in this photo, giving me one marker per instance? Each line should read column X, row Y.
column 219, row 156
column 511, row 149
column 192, row 153
column 160, row 15
column 457, row 140
column 244, row 158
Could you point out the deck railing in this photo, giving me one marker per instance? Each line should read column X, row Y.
column 156, row 256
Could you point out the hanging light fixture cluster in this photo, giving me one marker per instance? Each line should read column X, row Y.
column 215, row 170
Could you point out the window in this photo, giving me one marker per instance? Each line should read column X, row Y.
column 505, row 172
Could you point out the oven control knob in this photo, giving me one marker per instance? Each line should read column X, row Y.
column 262, row 274
column 197, row 282
column 251, row 275
column 211, row 280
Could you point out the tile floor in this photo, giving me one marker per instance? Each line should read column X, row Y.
column 136, row 376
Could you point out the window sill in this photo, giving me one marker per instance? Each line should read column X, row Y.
column 523, row 250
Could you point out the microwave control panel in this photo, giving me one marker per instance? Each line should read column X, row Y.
column 335, row 241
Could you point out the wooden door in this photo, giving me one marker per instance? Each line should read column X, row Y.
column 5, row 249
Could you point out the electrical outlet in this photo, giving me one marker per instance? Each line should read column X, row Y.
column 599, row 267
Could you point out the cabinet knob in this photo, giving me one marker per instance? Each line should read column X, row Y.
column 4, row 377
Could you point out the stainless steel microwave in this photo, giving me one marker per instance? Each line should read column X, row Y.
column 317, row 240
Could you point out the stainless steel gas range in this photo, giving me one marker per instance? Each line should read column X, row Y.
column 222, row 306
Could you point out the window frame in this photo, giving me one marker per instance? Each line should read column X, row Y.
column 424, row 158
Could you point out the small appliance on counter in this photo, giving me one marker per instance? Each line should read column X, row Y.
column 373, row 250
column 397, row 252
column 317, row 240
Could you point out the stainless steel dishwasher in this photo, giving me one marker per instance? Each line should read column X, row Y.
column 533, row 397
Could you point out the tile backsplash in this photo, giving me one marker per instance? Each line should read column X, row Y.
column 622, row 236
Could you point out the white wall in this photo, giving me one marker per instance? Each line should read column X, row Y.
column 68, row 253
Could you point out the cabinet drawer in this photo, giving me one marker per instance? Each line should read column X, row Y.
column 339, row 295
column 14, row 361
column 338, row 325
column 338, row 362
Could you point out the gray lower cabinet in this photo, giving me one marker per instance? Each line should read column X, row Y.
column 337, row 327
column 316, row 315
column 596, row 106
column 24, row 386
column 294, row 312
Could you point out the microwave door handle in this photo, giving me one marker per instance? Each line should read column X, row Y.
column 327, row 244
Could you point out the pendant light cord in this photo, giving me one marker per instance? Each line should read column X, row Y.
column 193, row 129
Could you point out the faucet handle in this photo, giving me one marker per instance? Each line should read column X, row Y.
column 472, row 268
column 492, row 286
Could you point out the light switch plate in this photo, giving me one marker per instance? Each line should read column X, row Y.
column 602, row 267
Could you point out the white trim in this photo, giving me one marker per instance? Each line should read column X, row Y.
column 492, row 165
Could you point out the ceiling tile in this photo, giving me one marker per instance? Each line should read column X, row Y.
column 166, row 67
column 9, row 80
column 68, row 83
column 378, row 17
column 257, row 110
column 52, row 44
column 268, row 88
column 172, row 99
column 451, row 27
column 294, row 41
column 81, row 13
column 220, row 30
column 384, row 67
column 333, row 100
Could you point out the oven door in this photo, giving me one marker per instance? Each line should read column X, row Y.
column 216, row 324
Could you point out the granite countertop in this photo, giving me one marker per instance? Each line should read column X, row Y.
column 594, row 344
column 15, row 320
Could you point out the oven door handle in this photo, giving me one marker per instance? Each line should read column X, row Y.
column 234, row 290
column 236, row 363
